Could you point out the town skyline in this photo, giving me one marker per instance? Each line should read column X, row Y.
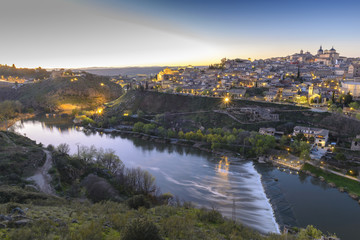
column 189, row 63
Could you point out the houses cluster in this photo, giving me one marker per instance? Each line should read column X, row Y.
column 302, row 78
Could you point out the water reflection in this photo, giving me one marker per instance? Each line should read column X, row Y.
column 223, row 166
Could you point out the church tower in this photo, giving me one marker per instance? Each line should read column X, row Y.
column 320, row 51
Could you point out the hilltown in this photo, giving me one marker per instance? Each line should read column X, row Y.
column 302, row 78
column 324, row 82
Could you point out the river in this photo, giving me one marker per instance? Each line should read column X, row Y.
column 240, row 190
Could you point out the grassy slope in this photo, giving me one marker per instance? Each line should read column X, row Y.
column 159, row 103
column 349, row 185
column 86, row 92
column 19, row 157
column 59, row 220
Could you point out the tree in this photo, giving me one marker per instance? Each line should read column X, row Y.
column 149, row 127
column 348, row 98
column 354, row 105
column 110, row 161
column 87, row 154
column 284, row 140
column 161, row 131
column 138, row 127
column 63, row 148
column 178, row 89
column 332, row 108
column 309, row 233
column 339, row 110
column 261, row 144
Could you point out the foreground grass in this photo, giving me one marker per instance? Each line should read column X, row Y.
column 110, row 220
column 349, row 185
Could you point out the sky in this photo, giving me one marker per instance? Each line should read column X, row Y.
column 119, row 33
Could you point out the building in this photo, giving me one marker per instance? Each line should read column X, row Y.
column 320, row 135
column 327, row 57
column 267, row 131
column 354, row 70
column 352, row 87
column 237, row 93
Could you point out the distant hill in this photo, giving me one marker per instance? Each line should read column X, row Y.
column 88, row 91
column 125, row 70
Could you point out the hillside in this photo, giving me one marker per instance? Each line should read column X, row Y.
column 65, row 93
column 193, row 112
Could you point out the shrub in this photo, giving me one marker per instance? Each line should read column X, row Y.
column 63, row 148
column 141, row 229
column 138, row 201
column 212, row 216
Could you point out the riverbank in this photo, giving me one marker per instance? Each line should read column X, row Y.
column 175, row 141
column 4, row 125
column 343, row 184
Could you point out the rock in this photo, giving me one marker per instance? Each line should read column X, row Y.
column 5, row 218
column 22, row 222
column 74, row 221
column 18, row 210
column 353, row 196
column 322, row 178
column 31, row 188
column 341, row 189
column 2, row 225
column 331, row 184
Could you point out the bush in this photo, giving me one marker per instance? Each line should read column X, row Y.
column 138, row 201
column 141, row 229
column 211, row 216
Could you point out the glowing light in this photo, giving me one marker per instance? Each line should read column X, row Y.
column 226, row 100
column 102, row 84
column 99, row 111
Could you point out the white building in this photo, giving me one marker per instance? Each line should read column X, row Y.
column 320, row 135
column 352, row 87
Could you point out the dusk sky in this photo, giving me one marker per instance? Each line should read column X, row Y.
column 110, row 33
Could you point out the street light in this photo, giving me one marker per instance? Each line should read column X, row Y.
column 226, row 101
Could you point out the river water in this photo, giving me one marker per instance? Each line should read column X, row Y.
column 240, row 190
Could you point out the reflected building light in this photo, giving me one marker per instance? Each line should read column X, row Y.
column 223, row 166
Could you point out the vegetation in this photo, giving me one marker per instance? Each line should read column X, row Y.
column 14, row 72
column 122, row 203
column 9, row 109
column 348, row 185
column 19, row 157
column 194, row 112
column 64, row 93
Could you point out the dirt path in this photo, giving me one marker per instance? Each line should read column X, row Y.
column 42, row 177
